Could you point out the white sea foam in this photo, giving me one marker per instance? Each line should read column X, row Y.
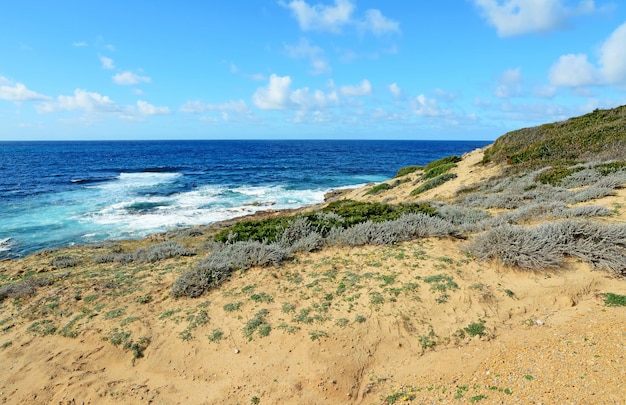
column 202, row 206
column 138, row 180
column 5, row 244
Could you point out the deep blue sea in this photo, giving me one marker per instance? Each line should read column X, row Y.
column 55, row 194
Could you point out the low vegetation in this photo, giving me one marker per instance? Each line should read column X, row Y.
column 597, row 135
column 371, row 260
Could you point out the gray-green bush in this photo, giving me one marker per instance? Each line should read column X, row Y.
column 603, row 246
column 218, row 266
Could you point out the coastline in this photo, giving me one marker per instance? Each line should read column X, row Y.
column 420, row 320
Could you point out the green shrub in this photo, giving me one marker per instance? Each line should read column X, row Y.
column 614, row 300
column 408, row 170
column 607, row 168
column 379, row 188
column 342, row 214
column 442, row 161
column 436, row 182
column 476, row 329
column 438, row 170
column 555, row 175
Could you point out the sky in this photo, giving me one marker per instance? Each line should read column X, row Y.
column 304, row 69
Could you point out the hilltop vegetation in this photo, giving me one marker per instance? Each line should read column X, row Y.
column 599, row 135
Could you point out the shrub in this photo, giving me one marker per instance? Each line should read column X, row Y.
column 161, row 251
column 151, row 254
column 430, row 184
column 614, row 300
column 590, row 193
column 407, row 227
column 64, row 262
column 258, row 230
column 555, row 175
column 458, row 215
column 408, row 170
column 342, row 213
column 300, row 235
column 24, row 287
column 218, row 266
column 517, row 246
column 581, row 178
column 379, row 188
column 476, row 329
column 588, row 211
column 442, row 161
column 438, row 170
column 601, row 246
column 610, row 167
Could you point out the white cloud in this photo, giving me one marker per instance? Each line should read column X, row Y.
column 379, row 24
column 197, row 107
column 613, row 57
column 274, row 96
column 314, row 53
column 304, row 98
column 146, row 108
column 577, row 71
column 573, row 71
column 82, row 100
column 79, row 44
column 277, row 95
column 130, row 78
column 332, row 18
column 363, row 89
column 518, row 17
column 427, row 107
column 18, row 92
column 321, row 17
column 395, row 90
column 509, row 84
column 107, row 63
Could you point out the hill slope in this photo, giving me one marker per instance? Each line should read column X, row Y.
column 507, row 290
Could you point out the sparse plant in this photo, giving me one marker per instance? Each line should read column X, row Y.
column 233, row 306
column 476, row 329
column 317, row 334
column 258, row 322
column 216, row 335
column 614, row 300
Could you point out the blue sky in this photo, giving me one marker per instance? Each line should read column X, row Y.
column 359, row 69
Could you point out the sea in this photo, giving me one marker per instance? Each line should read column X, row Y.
column 62, row 193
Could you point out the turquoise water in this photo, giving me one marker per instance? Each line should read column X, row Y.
column 55, row 194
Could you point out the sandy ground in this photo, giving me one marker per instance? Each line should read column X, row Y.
column 369, row 325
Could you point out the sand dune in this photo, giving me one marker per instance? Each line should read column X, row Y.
column 419, row 321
